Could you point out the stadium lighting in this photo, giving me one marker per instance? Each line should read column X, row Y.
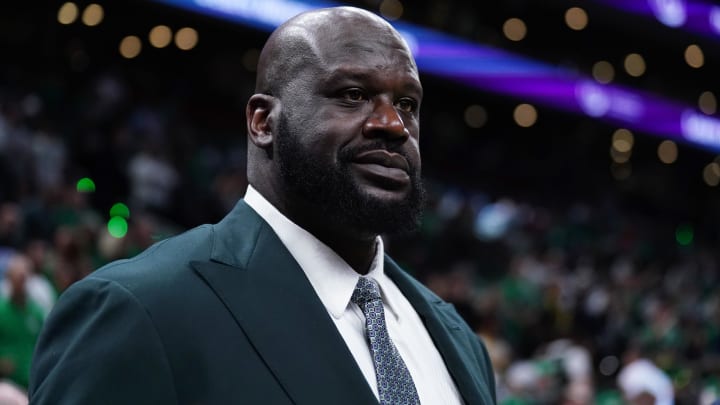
column 696, row 16
column 502, row 72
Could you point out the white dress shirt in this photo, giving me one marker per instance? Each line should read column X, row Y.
column 334, row 282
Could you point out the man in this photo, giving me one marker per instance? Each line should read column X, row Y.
column 269, row 306
column 20, row 322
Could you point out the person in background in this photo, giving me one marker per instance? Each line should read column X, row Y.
column 38, row 288
column 642, row 382
column 20, row 323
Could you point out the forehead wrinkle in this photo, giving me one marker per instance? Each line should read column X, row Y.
column 353, row 72
column 389, row 55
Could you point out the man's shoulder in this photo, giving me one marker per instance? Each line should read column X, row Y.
column 165, row 271
column 161, row 263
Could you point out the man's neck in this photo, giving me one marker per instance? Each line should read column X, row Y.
column 359, row 253
column 357, row 248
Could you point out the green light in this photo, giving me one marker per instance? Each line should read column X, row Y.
column 85, row 185
column 117, row 226
column 120, row 210
column 684, row 235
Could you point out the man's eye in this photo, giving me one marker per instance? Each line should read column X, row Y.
column 353, row 95
column 406, row 104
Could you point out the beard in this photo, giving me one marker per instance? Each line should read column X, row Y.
column 332, row 192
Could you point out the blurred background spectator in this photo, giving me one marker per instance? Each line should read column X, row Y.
column 20, row 322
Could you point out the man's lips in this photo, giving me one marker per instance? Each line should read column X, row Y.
column 390, row 169
column 384, row 158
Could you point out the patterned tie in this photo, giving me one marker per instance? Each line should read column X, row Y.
column 395, row 384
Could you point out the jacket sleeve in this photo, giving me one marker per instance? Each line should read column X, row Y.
column 100, row 346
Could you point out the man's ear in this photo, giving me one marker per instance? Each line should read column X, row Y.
column 260, row 114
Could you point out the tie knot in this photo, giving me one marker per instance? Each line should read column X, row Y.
column 366, row 290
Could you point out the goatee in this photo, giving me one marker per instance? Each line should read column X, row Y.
column 332, row 191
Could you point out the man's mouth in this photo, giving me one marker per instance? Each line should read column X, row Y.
column 384, row 158
column 389, row 167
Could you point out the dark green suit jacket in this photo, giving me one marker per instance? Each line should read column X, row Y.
column 222, row 314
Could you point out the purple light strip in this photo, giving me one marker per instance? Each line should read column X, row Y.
column 501, row 72
column 504, row 73
column 693, row 15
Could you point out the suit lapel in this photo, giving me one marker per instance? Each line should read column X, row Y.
column 273, row 302
column 448, row 336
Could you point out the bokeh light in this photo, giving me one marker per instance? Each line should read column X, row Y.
column 711, row 174
column 117, row 227
column 514, row 29
column 160, row 36
column 620, row 157
column 635, row 65
column 684, row 235
column 130, row 46
column 475, row 116
column 391, row 9
column 93, row 15
column 186, row 38
column 576, row 18
column 667, row 152
column 707, row 102
column 120, row 210
column 694, row 56
column 68, row 13
column 525, row 115
column 623, row 140
column 609, row 365
column 603, row 72
column 85, row 185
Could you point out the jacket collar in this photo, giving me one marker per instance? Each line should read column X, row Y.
column 250, row 268
column 451, row 336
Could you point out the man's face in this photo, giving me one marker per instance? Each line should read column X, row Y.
column 347, row 136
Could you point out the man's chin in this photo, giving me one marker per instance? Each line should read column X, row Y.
column 365, row 210
column 382, row 211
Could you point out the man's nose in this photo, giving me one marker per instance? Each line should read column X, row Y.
column 385, row 121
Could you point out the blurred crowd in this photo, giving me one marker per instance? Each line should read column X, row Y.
column 585, row 305
column 578, row 304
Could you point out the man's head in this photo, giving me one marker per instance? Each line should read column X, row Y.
column 334, row 126
column 19, row 269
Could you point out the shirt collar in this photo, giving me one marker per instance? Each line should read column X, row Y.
column 332, row 278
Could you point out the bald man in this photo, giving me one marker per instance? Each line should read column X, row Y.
column 290, row 298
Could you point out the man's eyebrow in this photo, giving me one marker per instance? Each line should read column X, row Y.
column 353, row 73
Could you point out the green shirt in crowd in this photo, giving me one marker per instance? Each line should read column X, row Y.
column 19, row 329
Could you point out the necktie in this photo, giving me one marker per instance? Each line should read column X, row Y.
column 395, row 384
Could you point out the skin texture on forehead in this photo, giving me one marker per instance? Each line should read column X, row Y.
column 321, row 37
